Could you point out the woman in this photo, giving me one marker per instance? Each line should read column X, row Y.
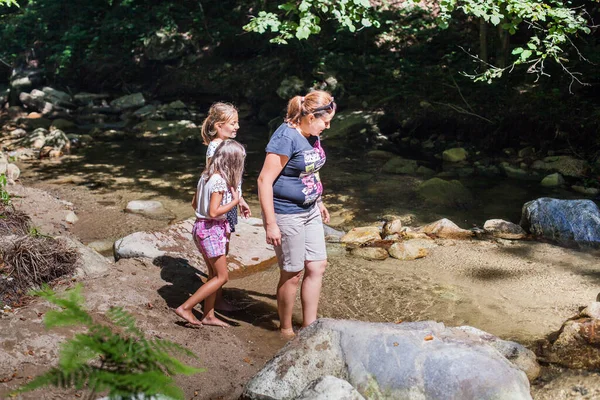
column 290, row 190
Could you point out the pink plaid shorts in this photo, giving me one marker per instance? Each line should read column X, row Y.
column 211, row 236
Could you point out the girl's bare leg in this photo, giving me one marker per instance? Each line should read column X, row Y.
column 311, row 290
column 222, row 304
column 219, row 265
column 210, row 287
column 286, row 295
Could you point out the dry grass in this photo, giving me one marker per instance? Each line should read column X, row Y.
column 13, row 222
column 29, row 261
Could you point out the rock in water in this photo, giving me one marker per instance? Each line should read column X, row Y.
column 567, row 222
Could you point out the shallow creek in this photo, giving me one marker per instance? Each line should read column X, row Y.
column 520, row 291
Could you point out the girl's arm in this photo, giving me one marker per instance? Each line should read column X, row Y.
column 216, row 209
column 274, row 164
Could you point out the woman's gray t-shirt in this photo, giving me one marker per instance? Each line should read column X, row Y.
column 298, row 186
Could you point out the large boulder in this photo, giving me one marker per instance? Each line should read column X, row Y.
column 456, row 154
column 567, row 222
column 447, row 193
column 329, row 388
column 245, row 251
column 504, row 229
column 135, row 100
column 413, row 360
column 355, row 127
column 361, row 236
column 567, row 166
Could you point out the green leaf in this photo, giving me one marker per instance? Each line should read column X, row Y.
column 495, row 19
column 517, row 50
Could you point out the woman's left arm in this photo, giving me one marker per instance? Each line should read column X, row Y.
column 323, row 210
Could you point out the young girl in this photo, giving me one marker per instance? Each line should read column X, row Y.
column 217, row 194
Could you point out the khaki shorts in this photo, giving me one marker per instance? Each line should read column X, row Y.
column 302, row 239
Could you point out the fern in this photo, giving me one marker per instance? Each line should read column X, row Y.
column 118, row 359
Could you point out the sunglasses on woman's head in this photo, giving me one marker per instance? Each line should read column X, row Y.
column 329, row 106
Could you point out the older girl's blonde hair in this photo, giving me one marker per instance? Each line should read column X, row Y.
column 217, row 113
column 317, row 103
column 228, row 161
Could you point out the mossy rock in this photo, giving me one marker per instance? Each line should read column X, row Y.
column 448, row 193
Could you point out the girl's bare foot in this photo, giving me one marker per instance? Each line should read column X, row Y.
column 215, row 322
column 188, row 316
column 287, row 333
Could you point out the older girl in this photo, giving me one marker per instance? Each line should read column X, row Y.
column 290, row 192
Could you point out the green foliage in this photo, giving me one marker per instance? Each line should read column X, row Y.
column 117, row 359
column 4, row 195
column 9, row 3
column 303, row 18
column 551, row 26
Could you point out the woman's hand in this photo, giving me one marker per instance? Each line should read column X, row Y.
column 273, row 234
column 244, row 209
column 324, row 212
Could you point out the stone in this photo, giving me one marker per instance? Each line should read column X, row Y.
column 332, row 235
column 245, row 250
column 90, row 262
column 165, row 45
column 392, row 227
column 370, row 253
column 566, row 222
column 444, row 228
column 290, row 86
column 567, row 166
column 12, row 173
column 18, row 133
column 452, row 193
column 399, row 165
column 526, row 152
column 380, row 155
column 553, row 180
column 361, row 236
column 588, row 191
column 405, row 219
column 576, row 345
column 148, row 208
column 519, row 173
column 410, row 361
column 58, row 140
column 130, row 101
column 353, row 127
column 56, row 96
column 424, row 171
column 329, row 388
column 71, row 217
column 101, row 246
column 592, row 310
column 63, row 124
column 407, row 251
column 89, row 98
column 504, row 229
column 456, row 154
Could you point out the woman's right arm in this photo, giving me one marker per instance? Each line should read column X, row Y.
column 274, row 164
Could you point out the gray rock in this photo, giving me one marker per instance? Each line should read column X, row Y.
column 148, row 208
column 329, row 388
column 567, row 222
column 331, row 235
column 90, row 262
column 420, row 360
column 290, row 87
column 588, row 191
column 245, row 249
column 519, row 173
column 164, row 45
column 130, row 101
column 567, row 166
column 446, row 229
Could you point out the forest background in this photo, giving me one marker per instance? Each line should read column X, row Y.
column 494, row 74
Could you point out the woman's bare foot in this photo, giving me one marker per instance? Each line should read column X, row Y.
column 188, row 316
column 287, row 333
column 215, row 322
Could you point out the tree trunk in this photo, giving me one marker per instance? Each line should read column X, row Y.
column 504, row 39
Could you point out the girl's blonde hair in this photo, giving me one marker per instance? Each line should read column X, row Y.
column 228, row 161
column 217, row 113
column 317, row 103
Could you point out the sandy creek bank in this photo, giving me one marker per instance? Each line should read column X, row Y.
column 520, row 291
